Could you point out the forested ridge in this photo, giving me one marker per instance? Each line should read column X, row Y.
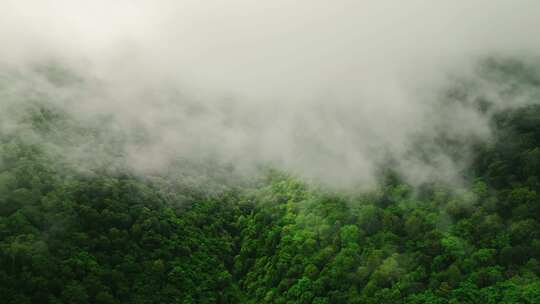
column 102, row 234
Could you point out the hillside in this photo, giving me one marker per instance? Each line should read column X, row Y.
column 103, row 234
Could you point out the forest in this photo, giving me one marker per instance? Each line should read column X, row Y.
column 103, row 234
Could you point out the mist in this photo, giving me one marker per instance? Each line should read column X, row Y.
column 327, row 90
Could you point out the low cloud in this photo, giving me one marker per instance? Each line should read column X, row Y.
column 327, row 90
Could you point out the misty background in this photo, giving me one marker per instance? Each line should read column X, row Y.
column 327, row 90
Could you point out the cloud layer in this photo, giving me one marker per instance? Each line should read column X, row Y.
column 323, row 88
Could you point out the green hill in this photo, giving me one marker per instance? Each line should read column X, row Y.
column 100, row 233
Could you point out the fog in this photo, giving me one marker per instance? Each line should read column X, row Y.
column 328, row 90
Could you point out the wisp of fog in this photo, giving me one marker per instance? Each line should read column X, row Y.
column 329, row 90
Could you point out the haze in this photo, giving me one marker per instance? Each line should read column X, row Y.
column 326, row 89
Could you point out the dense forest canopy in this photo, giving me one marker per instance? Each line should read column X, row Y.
column 79, row 225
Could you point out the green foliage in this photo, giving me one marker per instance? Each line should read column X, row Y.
column 107, row 236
